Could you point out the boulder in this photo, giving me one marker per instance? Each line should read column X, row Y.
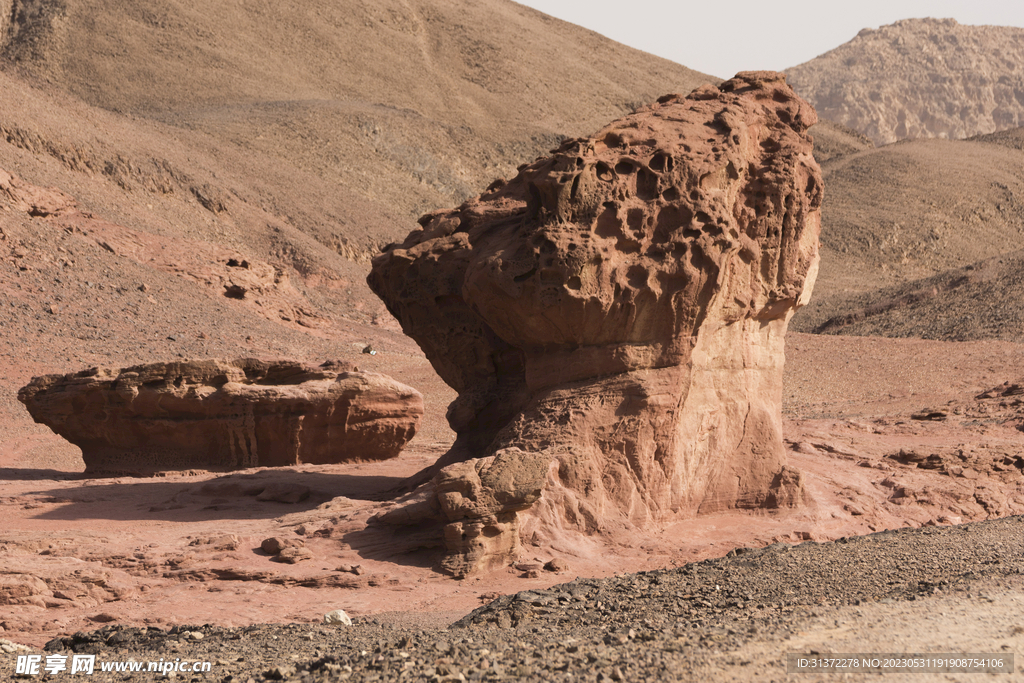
column 613, row 320
column 225, row 415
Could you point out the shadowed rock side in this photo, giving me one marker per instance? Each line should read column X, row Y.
column 225, row 415
column 613, row 320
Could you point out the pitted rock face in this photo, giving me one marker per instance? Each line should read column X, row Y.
column 224, row 415
column 621, row 303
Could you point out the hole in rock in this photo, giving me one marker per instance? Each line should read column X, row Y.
column 613, row 140
column 234, row 291
column 525, row 276
column 812, row 187
column 604, row 172
column 635, row 221
column 670, row 219
column 646, row 185
column 575, row 188
column 637, row 276
column 624, row 167
column 608, row 221
column 574, row 283
column 660, row 162
column 533, row 202
column 627, row 246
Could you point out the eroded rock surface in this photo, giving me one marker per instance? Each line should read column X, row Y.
column 613, row 320
column 217, row 414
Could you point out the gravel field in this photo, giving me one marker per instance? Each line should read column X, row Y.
column 723, row 619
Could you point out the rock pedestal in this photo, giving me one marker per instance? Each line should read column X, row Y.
column 225, row 415
column 613, row 319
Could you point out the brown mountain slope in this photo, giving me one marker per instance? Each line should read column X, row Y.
column 920, row 78
column 1012, row 138
column 296, row 141
column 833, row 140
column 130, row 257
column 912, row 210
column 984, row 300
column 411, row 103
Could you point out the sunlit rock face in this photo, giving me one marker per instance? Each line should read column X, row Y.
column 225, row 415
column 613, row 319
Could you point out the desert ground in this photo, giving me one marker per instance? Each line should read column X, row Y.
column 145, row 150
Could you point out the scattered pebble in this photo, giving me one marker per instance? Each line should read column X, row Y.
column 337, row 616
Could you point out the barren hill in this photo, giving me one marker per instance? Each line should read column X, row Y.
column 1012, row 138
column 832, row 140
column 909, row 211
column 413, row 104
column 147, row 153
column 920, row 78
column 984, row 300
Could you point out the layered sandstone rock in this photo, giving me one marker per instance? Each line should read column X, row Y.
column 613, row 320
column 216, row 414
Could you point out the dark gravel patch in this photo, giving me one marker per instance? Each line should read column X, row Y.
column 665, row 625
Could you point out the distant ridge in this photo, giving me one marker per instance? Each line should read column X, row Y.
column 920, row 78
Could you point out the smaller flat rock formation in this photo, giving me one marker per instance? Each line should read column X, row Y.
column 613, row 319
column 920, row 78
column 225, row 415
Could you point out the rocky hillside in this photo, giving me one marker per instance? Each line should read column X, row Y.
column 920, row 78
column 980, row 301
column 412, row 105
column 919, row 239
column 834, row 140
column 196, row 179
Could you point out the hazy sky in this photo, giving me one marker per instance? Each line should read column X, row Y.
column 723, row 37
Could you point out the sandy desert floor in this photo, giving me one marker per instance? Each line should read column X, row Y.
column 890, row 435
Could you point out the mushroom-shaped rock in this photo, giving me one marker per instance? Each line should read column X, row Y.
column 615, row 316
column 225, row 415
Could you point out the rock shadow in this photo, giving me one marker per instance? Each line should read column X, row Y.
column 30, row 474
column 251, row 495
column 410, row 546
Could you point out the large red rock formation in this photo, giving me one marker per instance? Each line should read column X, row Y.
column 613, row 320
column 224, row 415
